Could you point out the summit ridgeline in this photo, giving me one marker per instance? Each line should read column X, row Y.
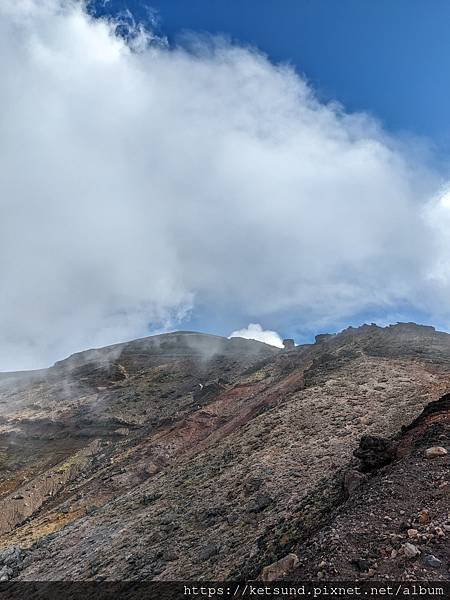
column 193, row 456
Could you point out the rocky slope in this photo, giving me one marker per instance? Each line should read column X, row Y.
column 186, row 455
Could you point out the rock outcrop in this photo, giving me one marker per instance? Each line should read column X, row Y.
column 289, row 344
column 396, row 525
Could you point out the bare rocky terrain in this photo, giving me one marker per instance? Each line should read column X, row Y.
column 193, row 456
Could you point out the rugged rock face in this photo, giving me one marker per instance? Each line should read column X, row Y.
column 193, row 455
column 289, row 344
column 396, row 526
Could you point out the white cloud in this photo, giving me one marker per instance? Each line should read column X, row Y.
column 137, row 185
column 255, row 332
column 437, row 215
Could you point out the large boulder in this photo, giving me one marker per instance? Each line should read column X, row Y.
column 279, row 569
column 288, row 344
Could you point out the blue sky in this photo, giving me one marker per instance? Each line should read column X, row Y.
column 292, row 173
column 387, row 57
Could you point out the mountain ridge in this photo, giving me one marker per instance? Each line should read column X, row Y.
column 206, row 456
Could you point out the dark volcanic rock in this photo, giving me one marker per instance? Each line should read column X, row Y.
column 362, row 564
column 323, row 337
column 289, row 344
column 207, row 552
column 374, row 452
column 259, row 503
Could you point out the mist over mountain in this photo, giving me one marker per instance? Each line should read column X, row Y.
column 191, row 456
column 145, row 186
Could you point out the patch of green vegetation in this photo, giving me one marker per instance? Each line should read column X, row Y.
column 65, row 466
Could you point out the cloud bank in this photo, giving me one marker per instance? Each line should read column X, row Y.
column 138, row 184
column 255, row 332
